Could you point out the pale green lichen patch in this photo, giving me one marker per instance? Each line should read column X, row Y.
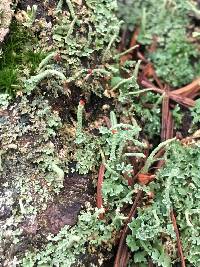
column 80, row 43
column 33, row 165
column 176, row 56
column 176, row 187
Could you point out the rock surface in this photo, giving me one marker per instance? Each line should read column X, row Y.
column 5, row 18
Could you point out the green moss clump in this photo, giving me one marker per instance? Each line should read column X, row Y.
column 18, row 58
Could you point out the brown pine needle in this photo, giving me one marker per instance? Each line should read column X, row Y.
column 122, row 243
column 190, row 90
column 99, row 189
column 182, row 100
column 179, row 245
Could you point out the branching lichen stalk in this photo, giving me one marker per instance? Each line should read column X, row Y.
column 46, row 60
column 35, row 80
column 150, row 160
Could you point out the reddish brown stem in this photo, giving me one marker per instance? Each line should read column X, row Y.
column 179, row 245
column 120, row 260
column 99, row 189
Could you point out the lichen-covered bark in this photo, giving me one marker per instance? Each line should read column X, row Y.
column 5, row 18
column 40, row 190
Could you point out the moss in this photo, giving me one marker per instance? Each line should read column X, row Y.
column 18, row 57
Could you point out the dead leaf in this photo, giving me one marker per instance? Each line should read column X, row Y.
column 145, row 178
